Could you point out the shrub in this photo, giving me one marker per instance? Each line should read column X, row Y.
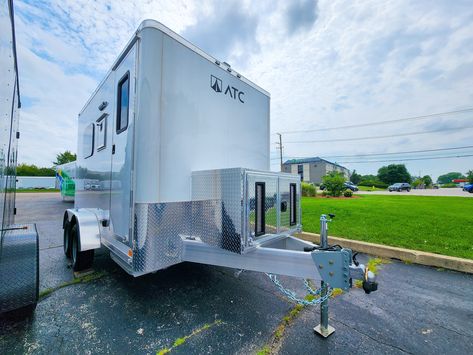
column 308, row 190
column 450, row 184
column 334, row 183
column 348, row 193
column 325, row 193
column 417, row 183
column 375, row 183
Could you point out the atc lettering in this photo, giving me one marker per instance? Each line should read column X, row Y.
column 235, row 93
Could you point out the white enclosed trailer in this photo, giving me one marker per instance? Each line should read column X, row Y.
column 173, row 165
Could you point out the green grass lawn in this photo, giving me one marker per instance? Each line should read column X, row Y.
column 442, row 225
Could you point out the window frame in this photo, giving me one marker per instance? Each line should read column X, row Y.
column 125, row 77
column 292, row 204
column 260, row 231
column 92, row 124
column 102, row 118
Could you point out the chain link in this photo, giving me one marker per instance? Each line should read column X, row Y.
column 293, row 297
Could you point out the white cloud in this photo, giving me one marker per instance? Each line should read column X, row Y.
column 346, row 62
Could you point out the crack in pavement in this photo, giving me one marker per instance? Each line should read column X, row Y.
column 452, row 330
column 373, row 338
column 52, row 247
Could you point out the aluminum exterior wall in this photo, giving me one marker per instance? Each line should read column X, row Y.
column 189, row 125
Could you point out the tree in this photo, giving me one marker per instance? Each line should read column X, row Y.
column 369, row 177
column 427, row 180
column 66, row 157
column 447, row 178
column 469, row 176
column 334, row 183
column 33, row 170
column 394, row 173
column 355, row 177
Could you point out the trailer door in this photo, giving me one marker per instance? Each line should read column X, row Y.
column 122, row 146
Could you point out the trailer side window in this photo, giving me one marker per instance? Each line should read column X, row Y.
column 260, row 198
column 101, row 133
column 123, row 101
column 88, row 140
column 292, row 204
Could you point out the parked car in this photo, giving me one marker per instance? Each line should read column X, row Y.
column 351, row 186
column 468, row 188
column 400, row 186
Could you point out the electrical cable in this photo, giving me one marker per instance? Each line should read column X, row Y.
column 378, row 137
column 407, row 159
column 367, row 124
column 381, row 154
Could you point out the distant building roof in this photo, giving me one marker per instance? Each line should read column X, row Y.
column 311, row 160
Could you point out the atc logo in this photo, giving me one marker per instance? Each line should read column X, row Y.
column 217, row 86
column 215, row 83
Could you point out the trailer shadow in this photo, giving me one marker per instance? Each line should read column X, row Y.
column 119, row 312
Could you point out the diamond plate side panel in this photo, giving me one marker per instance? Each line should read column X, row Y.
column 19, row 274
column 218, row 208
column 158, row 228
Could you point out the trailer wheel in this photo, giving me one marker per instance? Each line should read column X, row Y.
column 81, row 260
column 67, row 240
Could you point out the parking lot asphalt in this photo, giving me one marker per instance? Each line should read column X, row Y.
column 206, row 309
column 458, row 192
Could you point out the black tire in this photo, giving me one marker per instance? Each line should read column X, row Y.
column 408, row 190
column 67, row 243
column 81, row 260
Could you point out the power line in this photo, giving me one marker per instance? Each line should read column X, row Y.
column 379, row 137
column 408, row 159
column 414, row 118
column 391, row 153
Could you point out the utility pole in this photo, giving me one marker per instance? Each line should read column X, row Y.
column 280, row 148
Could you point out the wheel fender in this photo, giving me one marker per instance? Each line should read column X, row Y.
column 88, row 227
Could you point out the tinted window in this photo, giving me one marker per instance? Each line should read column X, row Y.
column 292, row 204
column 300, row 170
column 123, row 103
column 260, row 198
column 88, row 140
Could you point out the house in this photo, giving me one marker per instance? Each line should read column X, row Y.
column 313, row 169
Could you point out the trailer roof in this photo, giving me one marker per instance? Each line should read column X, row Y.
column 158, row 25
column 149, row 23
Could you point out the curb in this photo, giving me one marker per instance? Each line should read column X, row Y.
column 413, row 256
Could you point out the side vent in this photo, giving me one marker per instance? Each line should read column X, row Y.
column 260, row 198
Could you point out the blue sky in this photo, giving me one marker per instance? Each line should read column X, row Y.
column 325, row 63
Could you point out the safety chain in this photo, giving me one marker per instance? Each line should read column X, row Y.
column 293, row 297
